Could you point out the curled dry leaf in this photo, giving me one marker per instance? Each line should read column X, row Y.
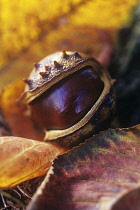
column 23, row 159
column 15, row 113
column 95, row 175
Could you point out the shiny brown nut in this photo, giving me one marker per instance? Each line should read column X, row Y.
column 70, row 96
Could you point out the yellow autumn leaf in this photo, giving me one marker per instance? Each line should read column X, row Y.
column 103, row 14
column 23, row 159
column 23, row 22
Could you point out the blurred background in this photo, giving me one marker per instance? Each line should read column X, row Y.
column 30, row 30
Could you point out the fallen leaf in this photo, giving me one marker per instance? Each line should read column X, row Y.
column 95, row 175
column 16, row 115
column 113, row 13
column 23, row 159
column 30, row 20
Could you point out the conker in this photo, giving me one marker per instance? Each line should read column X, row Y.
column 70, row 96
column 66, row 102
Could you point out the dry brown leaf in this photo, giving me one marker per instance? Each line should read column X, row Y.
column 95, row 175
column 22, row 159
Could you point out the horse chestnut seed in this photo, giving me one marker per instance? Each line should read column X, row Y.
column 68, row 101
